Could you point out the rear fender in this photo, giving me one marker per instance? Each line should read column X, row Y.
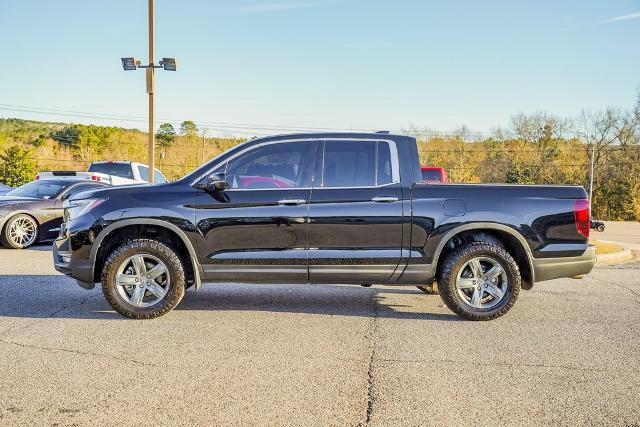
column 488, row 226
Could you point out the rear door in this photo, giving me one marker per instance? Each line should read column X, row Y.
column 356, row 212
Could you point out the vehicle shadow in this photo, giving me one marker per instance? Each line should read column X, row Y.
column 41, row 247
column 57, row 296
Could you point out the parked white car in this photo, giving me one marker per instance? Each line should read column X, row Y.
column 114, row 173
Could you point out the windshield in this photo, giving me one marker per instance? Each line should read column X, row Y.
column 37, row 190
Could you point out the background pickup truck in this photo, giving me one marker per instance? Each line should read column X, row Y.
column 323, row 208
column 112, row 173
column 434, row 174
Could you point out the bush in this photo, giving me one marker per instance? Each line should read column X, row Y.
column 17, row 167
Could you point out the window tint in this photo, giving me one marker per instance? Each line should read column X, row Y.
column 279, row 165
column 357, row 164
column 118, row 169
column 349, row 164
column 385, row 174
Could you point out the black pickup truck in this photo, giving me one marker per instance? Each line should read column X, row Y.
column 323, row 208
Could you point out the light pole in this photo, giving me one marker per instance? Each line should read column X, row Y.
column 169, row 64
column 592, row 159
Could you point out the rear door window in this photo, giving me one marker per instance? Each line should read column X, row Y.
column 357, row 164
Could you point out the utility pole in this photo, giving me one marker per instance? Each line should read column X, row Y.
column 150, row 87
column 169, row 64
column 593, row 152
column 204, row 132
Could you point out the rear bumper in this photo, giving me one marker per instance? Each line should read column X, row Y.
column 555, row 268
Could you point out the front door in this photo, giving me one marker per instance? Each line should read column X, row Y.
column 355, row 216
column 256, row 230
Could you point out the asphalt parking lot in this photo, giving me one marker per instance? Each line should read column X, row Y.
column 317, row 355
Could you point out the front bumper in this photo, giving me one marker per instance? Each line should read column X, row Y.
column 80, row 269
column 555, row 268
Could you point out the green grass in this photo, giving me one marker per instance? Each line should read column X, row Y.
column 605, row 248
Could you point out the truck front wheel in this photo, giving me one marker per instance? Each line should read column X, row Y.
column 143, row 279
column 479, row 281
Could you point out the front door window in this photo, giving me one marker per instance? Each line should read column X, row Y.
column 283, row 165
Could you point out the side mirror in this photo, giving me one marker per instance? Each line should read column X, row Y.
column 218, row 181
column 214, row 182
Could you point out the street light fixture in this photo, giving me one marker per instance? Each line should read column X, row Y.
column 168, row 64
column 129, row 64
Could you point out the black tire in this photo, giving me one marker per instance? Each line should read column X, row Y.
column 6, row 240
column 600, row 228
column 431, row 289
column 457, row 260
column 172, row 261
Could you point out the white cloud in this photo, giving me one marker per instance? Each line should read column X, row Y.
column 627, row 17
column 275, row 7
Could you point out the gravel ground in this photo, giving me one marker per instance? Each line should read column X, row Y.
column 317, row 355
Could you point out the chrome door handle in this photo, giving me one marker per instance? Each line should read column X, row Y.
column 384, row 199
column 292, row 202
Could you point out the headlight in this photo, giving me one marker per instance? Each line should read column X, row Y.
column 75, row 208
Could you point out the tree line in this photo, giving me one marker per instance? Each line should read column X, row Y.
column 537, row 148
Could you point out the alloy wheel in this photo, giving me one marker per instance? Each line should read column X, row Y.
column 143, row 280
column 23, row 232
column 482, row 283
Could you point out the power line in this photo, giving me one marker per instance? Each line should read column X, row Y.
column 202, row 123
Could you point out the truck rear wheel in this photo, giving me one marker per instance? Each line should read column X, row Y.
column 143, row 279
column 479, row 281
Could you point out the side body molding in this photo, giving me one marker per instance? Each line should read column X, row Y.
column 197, row 268
column 488, row 226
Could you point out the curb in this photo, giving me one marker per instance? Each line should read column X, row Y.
column 615, row 258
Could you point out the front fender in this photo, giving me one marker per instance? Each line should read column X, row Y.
column 197, row 268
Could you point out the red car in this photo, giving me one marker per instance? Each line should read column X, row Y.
column 434, row 174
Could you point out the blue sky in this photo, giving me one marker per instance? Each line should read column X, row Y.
column 362, row 64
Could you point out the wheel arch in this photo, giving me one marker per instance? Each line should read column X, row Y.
column 513, row 241
column 7, row 218
column 149, row 224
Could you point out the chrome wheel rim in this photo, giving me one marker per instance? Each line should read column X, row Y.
column 23, row 232
column 143, row 280
column 482, row 283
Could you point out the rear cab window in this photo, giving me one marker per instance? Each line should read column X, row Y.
column 122, row 170
column 431, row 175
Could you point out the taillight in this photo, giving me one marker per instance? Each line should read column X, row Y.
column 582, row 214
